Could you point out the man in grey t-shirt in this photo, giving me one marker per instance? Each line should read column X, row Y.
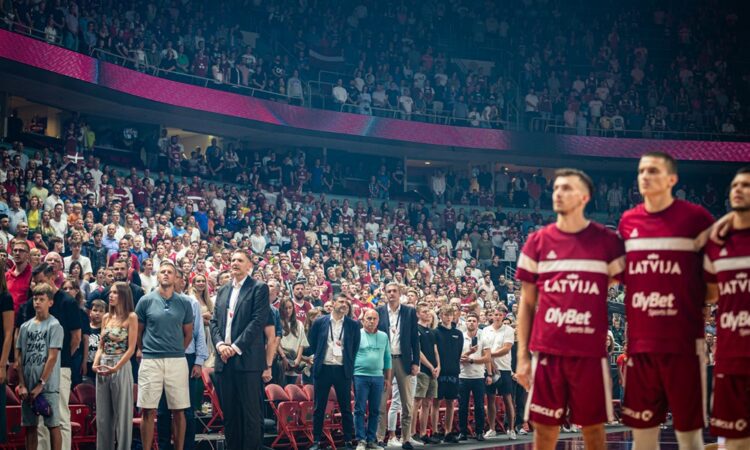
column 165, row 329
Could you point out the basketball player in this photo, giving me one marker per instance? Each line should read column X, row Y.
column 566, row 268
column 665, row 294
column 727, row 272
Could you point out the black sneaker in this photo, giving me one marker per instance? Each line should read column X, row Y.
column 438, row 437
column 407, row 446
column 451, row 438
column 428, row 440
column 463, row 437
column 480, row 437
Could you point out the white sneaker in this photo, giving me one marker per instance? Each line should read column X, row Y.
column 415, row 442
column 373, row 446
column 522, row 431
column 490, row 434
column 361, row 445
column 394, row 442
column 565, row 429
column 512, row 435
column 573, row 429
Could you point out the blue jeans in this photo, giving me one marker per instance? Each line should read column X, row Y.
column 367, row 390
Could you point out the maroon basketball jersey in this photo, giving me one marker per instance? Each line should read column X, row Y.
column 571, row 272
column 729, row 267
column 665, row 290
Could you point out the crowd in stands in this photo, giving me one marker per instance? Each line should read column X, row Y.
column 630, row 71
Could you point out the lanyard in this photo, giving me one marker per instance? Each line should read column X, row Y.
column 341, row 334
column 398, row 318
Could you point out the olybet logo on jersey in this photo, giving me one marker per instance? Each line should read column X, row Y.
column 575, row 321
column 655, row 303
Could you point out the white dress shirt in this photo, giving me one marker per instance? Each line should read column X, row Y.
column 233, row 297
column 395, row 330
column 335, row 337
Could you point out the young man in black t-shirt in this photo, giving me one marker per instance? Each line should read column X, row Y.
column 429, row 370
column 450, row 343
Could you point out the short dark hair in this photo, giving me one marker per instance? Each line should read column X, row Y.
column 43, row 268
column 298, row 282
column 585, row 179
column 666, row 157
column 741, row 171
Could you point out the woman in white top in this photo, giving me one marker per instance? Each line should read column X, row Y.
column 293, row 342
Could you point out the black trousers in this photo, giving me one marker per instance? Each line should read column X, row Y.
column 333, row 376
column 241, row 402
column 467, row 387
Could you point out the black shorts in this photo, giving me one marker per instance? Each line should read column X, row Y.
column 447, row 388
column 503, row 386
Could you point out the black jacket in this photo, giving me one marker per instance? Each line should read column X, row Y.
column 250, row 319
column 409, row 334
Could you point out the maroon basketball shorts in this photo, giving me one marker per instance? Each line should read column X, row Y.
column 561, row 383
column 657, row 382
column 731, row 406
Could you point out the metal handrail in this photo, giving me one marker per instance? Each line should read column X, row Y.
column 555, row 127
column 196, row 80
column 444, row 118
column 36, row 33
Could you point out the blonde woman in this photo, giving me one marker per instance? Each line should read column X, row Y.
column 199, row 290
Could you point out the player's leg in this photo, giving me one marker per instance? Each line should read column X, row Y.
column 646, row 438
column 594, row 437
column 590, row 398
column 737, row 444
column 690, row 440
column 545, row 436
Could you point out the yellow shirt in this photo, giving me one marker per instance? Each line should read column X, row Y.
column 34, row 217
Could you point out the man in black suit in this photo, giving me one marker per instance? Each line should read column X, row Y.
column 237, row 327
column 334, row 340
column 399, row 322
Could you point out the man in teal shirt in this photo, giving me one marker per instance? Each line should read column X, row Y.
column 372, row 374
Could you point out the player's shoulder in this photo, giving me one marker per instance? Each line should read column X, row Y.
column 635, row 212
column 603, row 231
column 687, row 208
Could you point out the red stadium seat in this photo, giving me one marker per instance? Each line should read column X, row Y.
column 295, row 393
column 15, row 432
column 213, row 395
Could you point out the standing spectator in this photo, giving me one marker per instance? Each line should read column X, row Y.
column 293, row 341
column 7, row 317
column 95, row 251
column 400, row 323
column 449, row 341
column 114, row 376
column 165, row 328
column 334, row 341
column 237, row 328
column 65, row 310
column 531, row 108
column 40, row 340
column 471, row 381
column 340, row 94
column 75, row 256
column 429, row 370
column 16, row 214
column 196, row 354
column 500, row 338
column 372, row 374
column 19, row 278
